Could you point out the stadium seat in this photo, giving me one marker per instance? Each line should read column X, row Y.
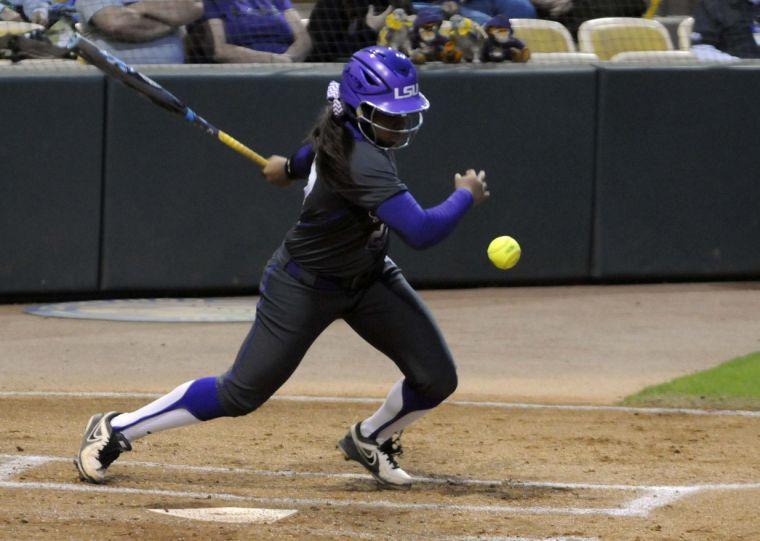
column 684, row 33
column 543, row 36
column 609, row 36
column 660, row 57
column 549, row 42
column 562, row 58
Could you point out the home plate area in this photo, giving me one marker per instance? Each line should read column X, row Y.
column 339, row 494
column 233, row 515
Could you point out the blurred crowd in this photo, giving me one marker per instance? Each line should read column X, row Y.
column 274, row 31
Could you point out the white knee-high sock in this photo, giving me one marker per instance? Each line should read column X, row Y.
column 190, row 403
column 401, row 408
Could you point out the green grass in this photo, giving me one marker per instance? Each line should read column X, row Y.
column 731, row 385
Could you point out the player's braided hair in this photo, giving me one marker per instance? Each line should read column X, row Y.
column 333, row 144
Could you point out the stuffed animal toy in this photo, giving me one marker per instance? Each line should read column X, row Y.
column 501, row 44
column 466, row 40
column 427, row 41
column 396, row 32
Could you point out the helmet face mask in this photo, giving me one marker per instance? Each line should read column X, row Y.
column 387, row 131
column 380, row 87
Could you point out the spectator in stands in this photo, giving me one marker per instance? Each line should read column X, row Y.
column 573, row 13
column 481, row 11
column 255, row 31
column 8, row 12
column 339, row 28
column 144, row 32
column 46, row 12
column 726, row 29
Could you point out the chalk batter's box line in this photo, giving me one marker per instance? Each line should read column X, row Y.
column 653, row 497
column 365, row 400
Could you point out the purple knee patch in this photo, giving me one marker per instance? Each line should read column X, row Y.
column 202, row 400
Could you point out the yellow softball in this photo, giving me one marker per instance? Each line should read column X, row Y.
column 504, row 252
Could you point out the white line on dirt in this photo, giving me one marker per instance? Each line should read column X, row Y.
column 653, row 497
column 427, row 480
column 366, row 535
column 306, row 502
column 288, row 473
column 41, row 459
column 512, row 538
column 362, row 400
column 13, row 465
column 658, row 497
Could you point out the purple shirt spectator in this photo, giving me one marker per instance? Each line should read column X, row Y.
column 249, row 31
column 255, row 24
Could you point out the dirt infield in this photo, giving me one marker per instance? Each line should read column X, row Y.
column 483, row 472
column 615, row 457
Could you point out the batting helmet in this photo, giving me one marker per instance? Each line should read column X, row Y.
column 380, row 80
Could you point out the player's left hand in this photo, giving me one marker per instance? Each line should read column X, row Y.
column 275, row 173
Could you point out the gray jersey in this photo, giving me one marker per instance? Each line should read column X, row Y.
column 337, row 233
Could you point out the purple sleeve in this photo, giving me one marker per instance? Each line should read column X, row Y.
column 211, row 10
column 282, row 5
column 299, row 164
column 422, row 228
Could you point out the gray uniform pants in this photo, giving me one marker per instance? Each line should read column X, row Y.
column 290, row 315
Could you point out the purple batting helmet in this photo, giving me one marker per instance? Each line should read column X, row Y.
column 379, row 79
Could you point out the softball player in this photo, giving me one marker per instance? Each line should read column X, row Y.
column 331, row 265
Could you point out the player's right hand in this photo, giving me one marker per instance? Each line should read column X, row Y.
column 475, row 183
column 275, row 173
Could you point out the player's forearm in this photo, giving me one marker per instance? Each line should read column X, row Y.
column 171, row 12
column 423, row 228
column 234, row 54
column 299, row 163
column 300, row 48
column 142, row 30
column 128, row 24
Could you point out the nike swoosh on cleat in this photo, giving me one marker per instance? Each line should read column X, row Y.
column 371, row 456
column 95, row 436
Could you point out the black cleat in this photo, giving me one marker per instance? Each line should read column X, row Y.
column 379, row 459
column 100, row 447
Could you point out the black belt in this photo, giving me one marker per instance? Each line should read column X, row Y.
column 330, row 283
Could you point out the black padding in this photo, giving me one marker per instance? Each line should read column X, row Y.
column 183, row 211
column 678, row 180
column 50, row 182
column 662, row 162
column 532, row 131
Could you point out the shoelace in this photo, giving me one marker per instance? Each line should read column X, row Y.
column 392, row 449
column 116, row 445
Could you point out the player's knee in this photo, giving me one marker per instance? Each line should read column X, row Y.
column 237, row 401
column 447, row 384
column 439, row 386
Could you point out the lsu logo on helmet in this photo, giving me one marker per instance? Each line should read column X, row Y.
column 406, row 92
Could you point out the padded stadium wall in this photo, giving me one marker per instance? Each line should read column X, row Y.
column 602, row 173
